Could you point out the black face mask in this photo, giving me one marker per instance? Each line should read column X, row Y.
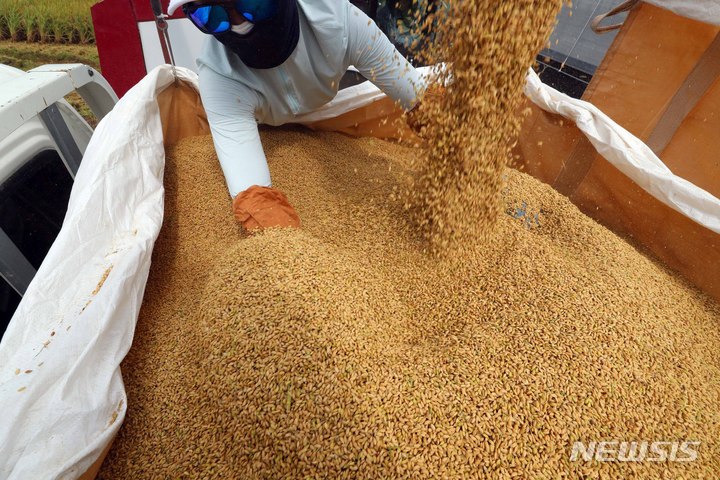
column 270, row 42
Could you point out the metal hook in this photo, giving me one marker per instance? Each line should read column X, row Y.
column 165, row 44
column 623, row 7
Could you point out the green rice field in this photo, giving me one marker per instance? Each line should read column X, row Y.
column 47, row 21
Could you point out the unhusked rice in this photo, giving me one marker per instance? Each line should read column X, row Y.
column 343, row 350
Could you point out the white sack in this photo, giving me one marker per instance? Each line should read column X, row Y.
column 72, row 335
column 707, row 11
column 628, row 154
column 355, row 97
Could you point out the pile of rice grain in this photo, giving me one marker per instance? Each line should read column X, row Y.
column 341, row 350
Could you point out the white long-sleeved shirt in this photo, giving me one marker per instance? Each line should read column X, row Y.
column 334, row 34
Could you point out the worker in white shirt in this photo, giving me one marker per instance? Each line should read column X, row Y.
column 268, row 61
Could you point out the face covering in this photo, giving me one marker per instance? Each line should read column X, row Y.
column 270, row 42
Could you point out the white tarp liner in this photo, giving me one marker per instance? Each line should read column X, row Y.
column 707, row 11
column 356, row 97
column 76, row 321
column 628, row 154
column 71, row 334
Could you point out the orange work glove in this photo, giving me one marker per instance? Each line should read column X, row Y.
column 433, row 93
column 262, row 207
column 417, row 117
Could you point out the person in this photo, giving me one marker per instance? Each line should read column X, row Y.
column 400, row 20
column 269, row 61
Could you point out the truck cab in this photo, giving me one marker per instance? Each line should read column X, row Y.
column 42, row 142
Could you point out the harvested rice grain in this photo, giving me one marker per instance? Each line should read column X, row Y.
column 343, row 351
column 468, row 132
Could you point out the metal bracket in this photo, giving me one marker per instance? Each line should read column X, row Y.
column 162, row 27
column 14, row 267
column 60, row 132
column 27, row 95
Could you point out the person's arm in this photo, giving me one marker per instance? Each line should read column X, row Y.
column 377, row 59
column 230, row 108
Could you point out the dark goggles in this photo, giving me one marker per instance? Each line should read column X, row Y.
column 213, row 17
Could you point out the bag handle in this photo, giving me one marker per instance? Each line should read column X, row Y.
column 687, row 96
column 626, row 6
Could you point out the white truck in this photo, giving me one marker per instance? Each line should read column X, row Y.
column 42, row 142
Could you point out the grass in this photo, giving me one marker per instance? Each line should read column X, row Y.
column 26, row 56
column 30, row 55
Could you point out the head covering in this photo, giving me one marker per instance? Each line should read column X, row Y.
column 175, row 4
column 269, row 43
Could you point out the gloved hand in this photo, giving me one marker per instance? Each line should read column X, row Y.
column 417, row 117
column 262, row 207
column 433, row 93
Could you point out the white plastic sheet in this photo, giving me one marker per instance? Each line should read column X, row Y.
column 707, row 11
column 629, row 154
column 355, row 97
column 76, row 322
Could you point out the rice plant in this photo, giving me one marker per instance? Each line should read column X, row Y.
column 56, row 21
column 59, row 33
column 43, row 22
column 30, row 23
column 12, row 20
column 84, row 30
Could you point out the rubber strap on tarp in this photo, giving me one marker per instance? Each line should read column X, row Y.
column 623, row 7
column 696, row 84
